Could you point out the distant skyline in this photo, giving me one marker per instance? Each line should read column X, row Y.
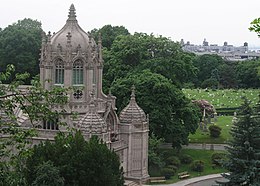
column 217, row 21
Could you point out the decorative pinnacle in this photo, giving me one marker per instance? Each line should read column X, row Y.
column 99, row 38
column 72, row 14
column 133, row 93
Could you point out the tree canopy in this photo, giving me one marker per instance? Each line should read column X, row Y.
column 172, row 115
column 108, row 34
column 20, row 45
column 79, row 162
column 243, row 162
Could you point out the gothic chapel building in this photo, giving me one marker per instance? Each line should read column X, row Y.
column 71, row 58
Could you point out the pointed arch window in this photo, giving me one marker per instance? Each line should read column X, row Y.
column 77, row 73
column 59, row 72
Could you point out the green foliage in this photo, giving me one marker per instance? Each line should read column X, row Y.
column 215, row 131
column 243, row 151
column 79, row 162
column 33, row 101
column 208, row 68
column 173, row 160
column 172, row 116
column 167, row 172
column 108, row 34
column 154, row 157
column 197, row 165
column 218, row 158
column 255, row 26
column 47, row 174
column 20, row 45
column 210, row 83
column 186, row 159
column 247, row 74
column 133, row 53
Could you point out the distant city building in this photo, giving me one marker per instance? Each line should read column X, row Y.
column 214, row 48
column 226, row 51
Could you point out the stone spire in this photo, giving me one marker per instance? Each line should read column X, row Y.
column 132, row 113
column 72, row 14
column 132, row 99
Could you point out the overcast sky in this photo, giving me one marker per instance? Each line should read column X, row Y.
column 192, row 20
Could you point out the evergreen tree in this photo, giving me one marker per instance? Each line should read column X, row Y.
column 244, row 148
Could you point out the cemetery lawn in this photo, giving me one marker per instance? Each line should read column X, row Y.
column 225, row 122
column 204, row 155
column 226, row 98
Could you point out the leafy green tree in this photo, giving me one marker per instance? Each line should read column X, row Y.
column 20, row 45
column 154, row 157
column 247, row 74
column 208, row 67
column 134, row 53
column 109, row 34
column 80, row 162
column 244, row 150
column 35, row 102
column 227, row 73
column 48, row 174
column 172, row 116
column 255, row 26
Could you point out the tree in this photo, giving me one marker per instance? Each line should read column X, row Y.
column 255, row 26
column 109, row 34
column 208, row 68
column 80, row 162
column 48, row 174
column 134, row 53
column 247, row 74
column 35, row 102
column 244, row 150
column 172, row 116
column 20, row 45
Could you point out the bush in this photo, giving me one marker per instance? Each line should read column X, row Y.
column 174, row 168
column 186, row 159
column 167, row 173
column 173, row 160
column 214, row 131
column 216, row 158
column 197, row 166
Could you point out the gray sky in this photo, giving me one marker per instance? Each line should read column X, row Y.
column 192, row 20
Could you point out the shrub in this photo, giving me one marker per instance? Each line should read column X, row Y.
column 167, row 173
column 197, row 166
column 214, row 131
column 216, row 158
column 173, row 160
column 174, row 168
column 186, row 159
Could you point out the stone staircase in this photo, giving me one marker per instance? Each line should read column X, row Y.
column 131, row 183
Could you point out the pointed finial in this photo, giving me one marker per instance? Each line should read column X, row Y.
column 72, row 14
column 99, row 38
column 133, row 92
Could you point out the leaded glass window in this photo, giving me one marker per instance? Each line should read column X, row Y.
column 59, row 72
column 77, row 73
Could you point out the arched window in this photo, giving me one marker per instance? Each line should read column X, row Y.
column 59, row 72
column 77, row 73
column 51, row 124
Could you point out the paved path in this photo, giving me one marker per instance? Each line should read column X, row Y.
column 198, row 146
column 197, row 181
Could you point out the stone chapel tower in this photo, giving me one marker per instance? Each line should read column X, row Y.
column 71, row 58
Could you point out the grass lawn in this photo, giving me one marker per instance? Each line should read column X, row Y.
column 225, row 122
column 226, row 98
column 204, row 155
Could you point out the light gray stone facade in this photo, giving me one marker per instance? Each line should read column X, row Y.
column 71, row 58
